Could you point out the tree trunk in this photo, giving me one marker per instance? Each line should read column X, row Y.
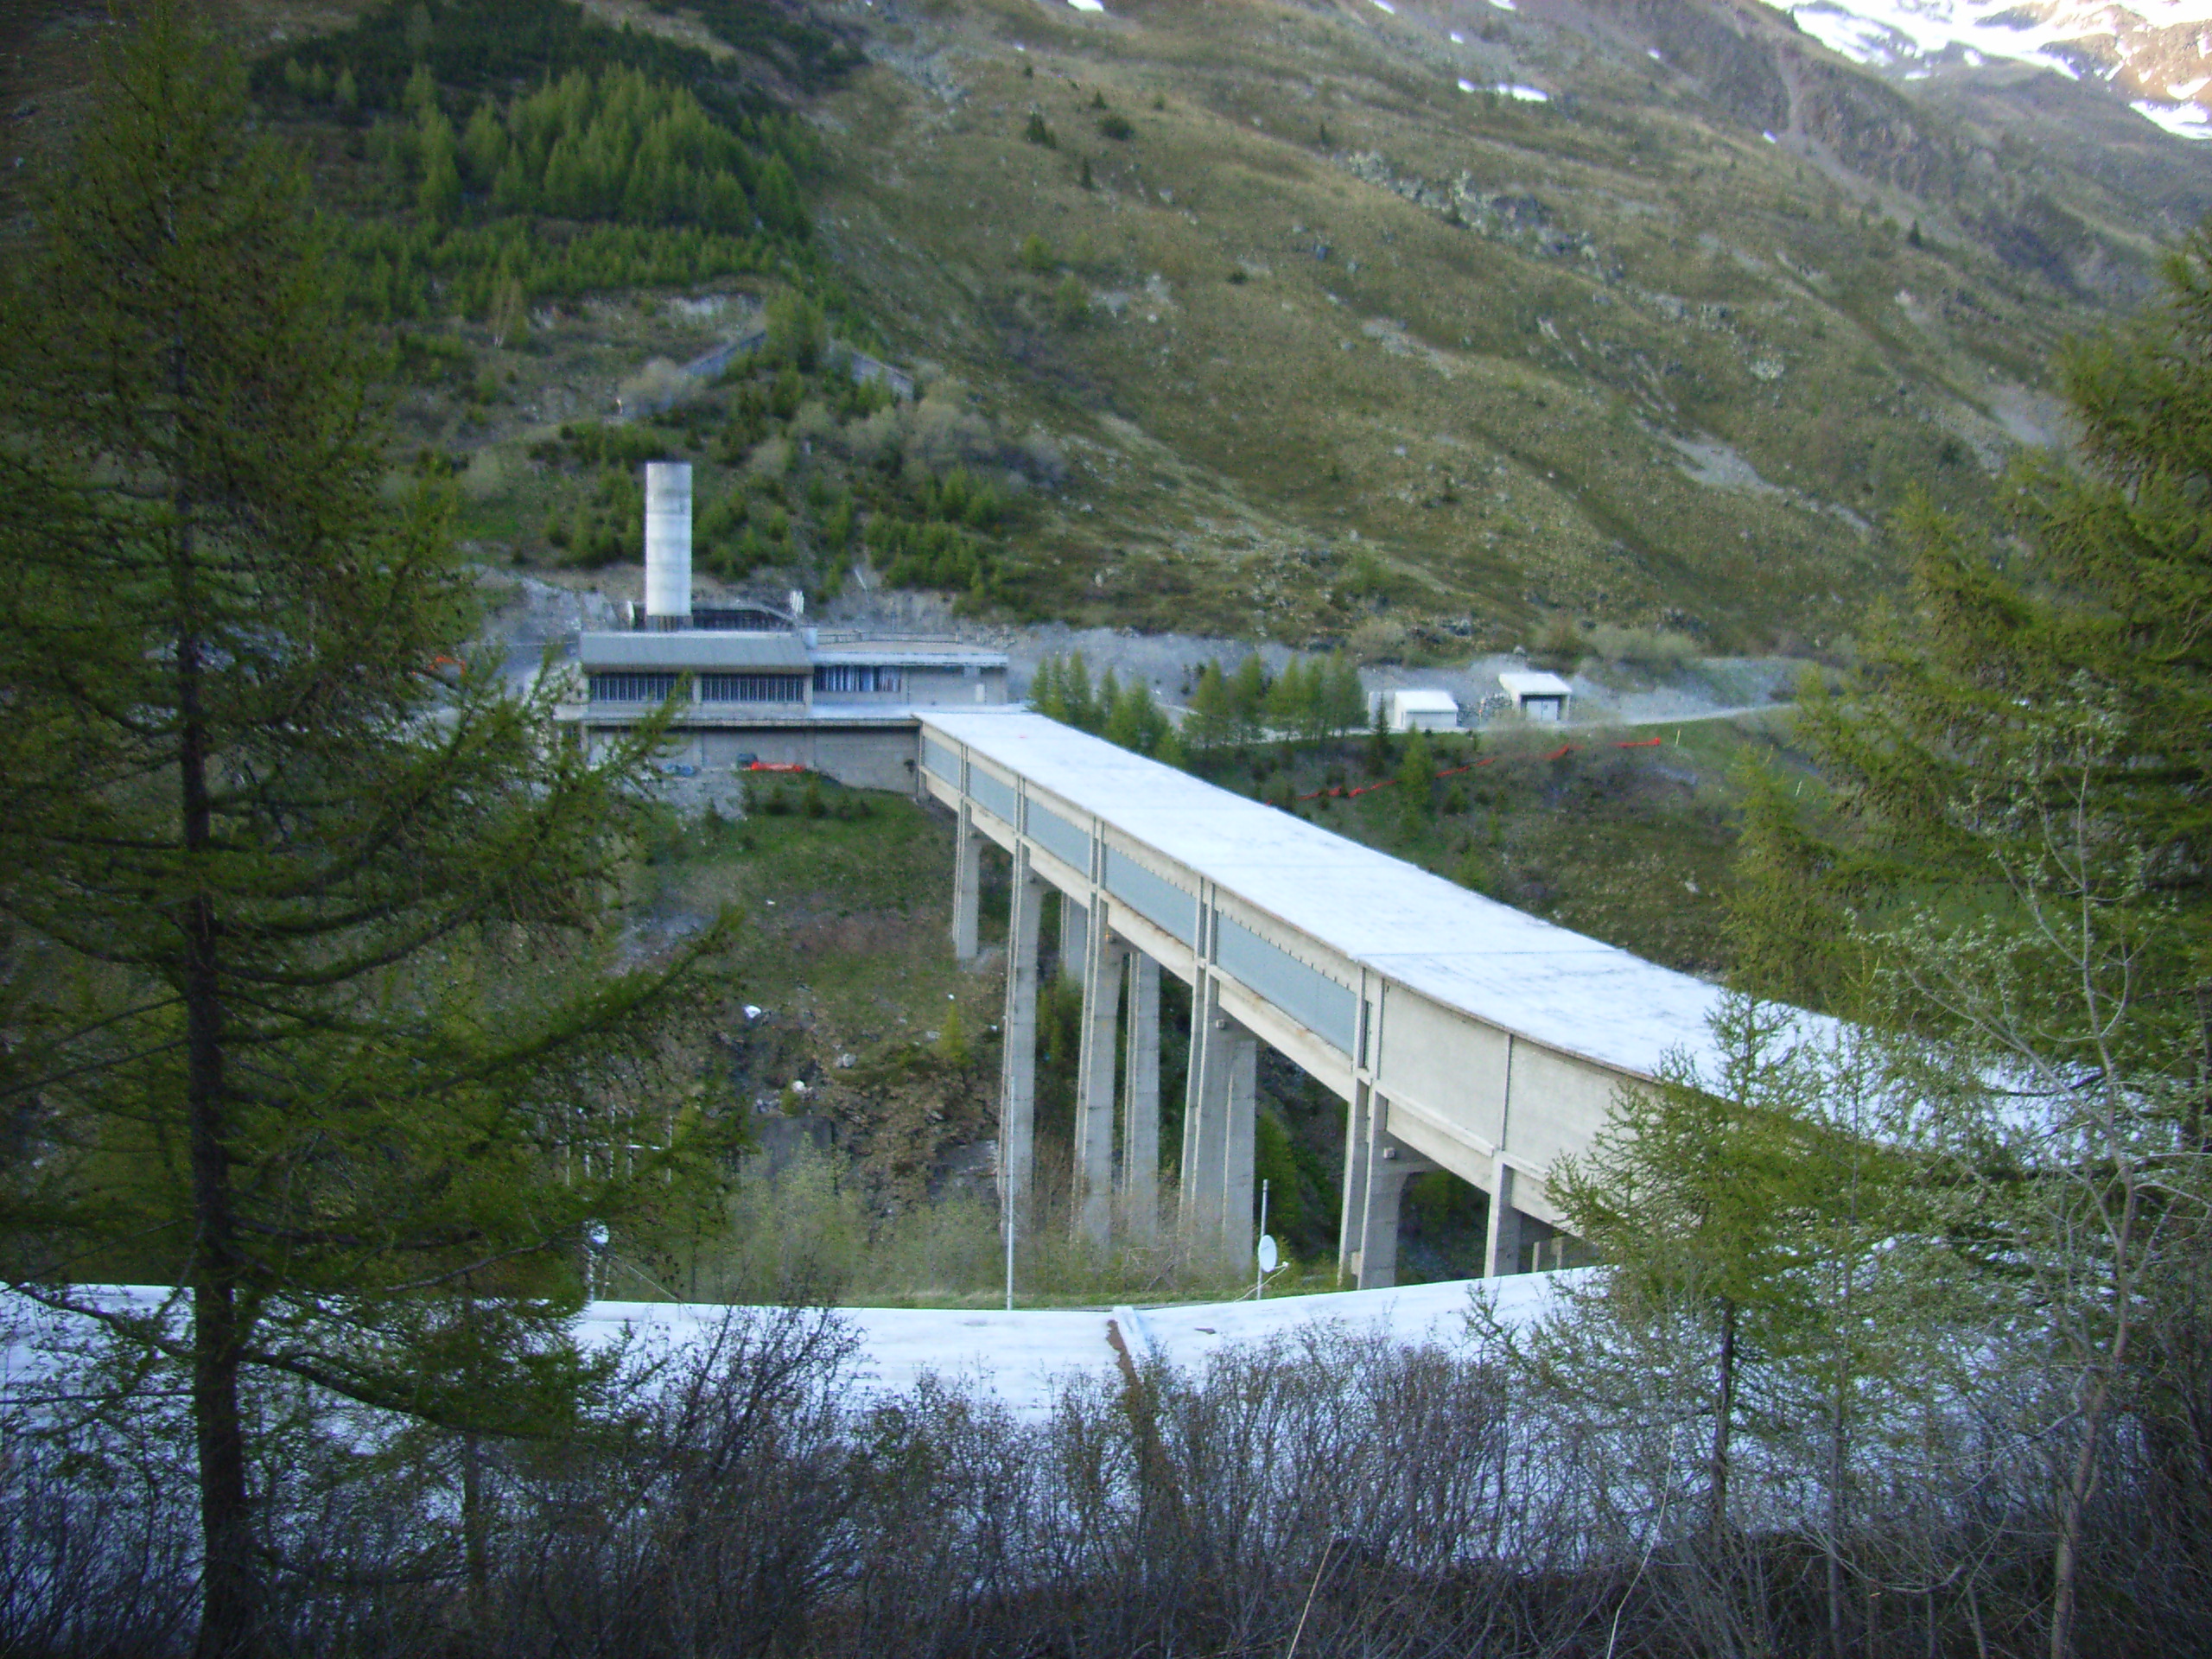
column 1724, row 1413
column 1835, row 1511
column 476, row 1521
column 2066, row 1560
column 227, row 1583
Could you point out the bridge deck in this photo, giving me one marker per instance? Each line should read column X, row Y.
column 1507, row 968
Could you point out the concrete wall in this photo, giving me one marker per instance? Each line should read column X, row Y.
column 860, row 758
column 867, row 760
column 1558, row 1103
column 1440, row 1059
column 941, row 686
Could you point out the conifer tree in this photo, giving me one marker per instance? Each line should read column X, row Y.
column 2014, row 848
column 1045, row 689
column 1346, row 700
column 1247, row 692
column 1133, row 719
column 1416, row 780
column 1170, row 750
column 1288, row 703
column 1379, row 746
column 314, row 993
column 1212, row 718
column 1078, row 703
column 1696, row 1194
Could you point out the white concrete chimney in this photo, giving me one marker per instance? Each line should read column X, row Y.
column 668, row 544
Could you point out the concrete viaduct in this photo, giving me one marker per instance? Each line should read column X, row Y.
column 1463, row 1034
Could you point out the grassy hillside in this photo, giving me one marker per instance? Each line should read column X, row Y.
column 1263, row 318
column 1356, row 339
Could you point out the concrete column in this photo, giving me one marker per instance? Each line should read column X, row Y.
column 1378, row 1248
column 1504, row 1252
column 1072, row 928
column 1376, row 1168
column 1205, row 1128
column 967, row 884
column 1093, row 1089
column 1141, row 1101
column 1219, row 1111
column 1240, row 1185
column 1018, row 1065
column 1359, row 1146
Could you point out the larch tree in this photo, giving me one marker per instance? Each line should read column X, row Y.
column 1696, row 1194
column 314, row 1000
column 2010, row 868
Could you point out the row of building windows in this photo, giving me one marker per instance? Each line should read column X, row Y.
column 631, row 687
column 855, row 677
column 713, row 688
column 752, row 688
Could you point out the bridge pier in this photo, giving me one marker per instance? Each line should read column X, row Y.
column 1018, row 1049
column 1511, row 1231
column 1219, row 1110
column 1376, row 1168
column 1074, row 927
column 1102, row 954
column 967, row 885
column 1141, row 1101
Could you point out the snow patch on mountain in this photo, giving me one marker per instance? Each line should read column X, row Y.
column 2156, row 52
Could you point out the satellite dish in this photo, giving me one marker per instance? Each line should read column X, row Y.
column 1268, row 1256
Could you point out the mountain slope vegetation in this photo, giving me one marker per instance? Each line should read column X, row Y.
column 1411, row 327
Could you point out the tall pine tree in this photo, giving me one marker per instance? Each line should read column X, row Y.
column 312, row 1009
column 2013, row 858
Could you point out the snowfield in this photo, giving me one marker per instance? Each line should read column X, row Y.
column 1909, row 34
column 1019, row 1356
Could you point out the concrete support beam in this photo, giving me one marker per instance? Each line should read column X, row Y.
column 1378, row 1250
column 1093, row 1089
column 1219, row 1105
column 1240, row 1185
column 1205, row 1128
column 1376, row 1169
column 967, row 885
column 1074, row 926
column 1141, row 1101
column 1018, row 1065
column 1506, row 1250
column 1359, row 1147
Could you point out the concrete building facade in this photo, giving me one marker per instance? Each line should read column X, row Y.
column 1461, row 1033
column 843, row 704
column 758, row 685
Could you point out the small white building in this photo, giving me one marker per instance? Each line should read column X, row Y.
column 1537, row 695
column 1422, row 711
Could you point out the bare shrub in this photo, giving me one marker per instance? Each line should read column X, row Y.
column 743, row 1493
column 1649, row 651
